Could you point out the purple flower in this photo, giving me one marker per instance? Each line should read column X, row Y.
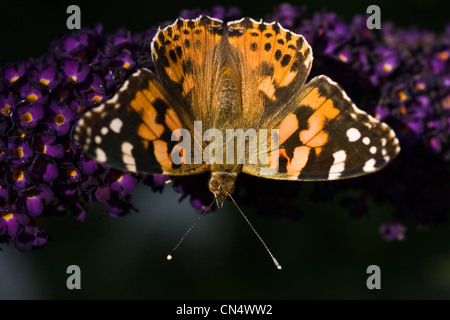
column 7, row 104
column 33, row 200
column 20, row 151
column 393, row 231
column 87, row 165
column 103, row 194
column 17, row 178
column 28, row 116
column 14, row 72
column 46, row 75
column 48, row 145
column 59, row 118
column 4, row 192
column 120, row 182
column 31, row 94
column 75, row 71
column 10, row 223
column 45, row 169
column 30, row 237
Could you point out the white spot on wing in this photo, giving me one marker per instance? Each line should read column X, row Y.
column 99, row 109
column 369, row 165
column 100, row 155
column 338, row 164
column 373, row 150
column 116, row 125
column 366, row 141
column 127, row 157
column 104, row 131
column 334, row 175
column 353, row 134
column 339, row 156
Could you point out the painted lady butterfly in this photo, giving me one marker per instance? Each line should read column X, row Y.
column 246, row 75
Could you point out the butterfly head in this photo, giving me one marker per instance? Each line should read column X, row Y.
column 221, row 185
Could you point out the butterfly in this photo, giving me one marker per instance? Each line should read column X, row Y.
column 248, row 75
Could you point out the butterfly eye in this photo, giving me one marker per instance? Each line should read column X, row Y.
column 214, row 185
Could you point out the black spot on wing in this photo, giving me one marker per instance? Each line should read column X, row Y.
column 277, row 55
column 286, row 59
column 173, row 55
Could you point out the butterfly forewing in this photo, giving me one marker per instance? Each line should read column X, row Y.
column 273, row 64
column 187, row 60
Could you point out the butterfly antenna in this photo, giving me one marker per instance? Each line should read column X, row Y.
column 259, row 237
column 170, row 255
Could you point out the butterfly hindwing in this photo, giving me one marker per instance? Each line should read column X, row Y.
column 324, row 136
column 132, row 131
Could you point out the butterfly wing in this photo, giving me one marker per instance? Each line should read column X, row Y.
column 132, row 131
column 187, row 59
column 273, row 64
column 324, row 136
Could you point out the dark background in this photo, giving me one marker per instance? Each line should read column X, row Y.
column 324, row 254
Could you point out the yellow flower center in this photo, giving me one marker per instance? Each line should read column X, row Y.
column 343, row 58
column 126, row 65
column 45, row 82
column 17, row 175
column 60, row 119
column 32, row 97
column 97, row 99
column 443, row 55
column 402, row 96
column 80, row 110
column 26, row 117
column 7, row 215
column 387, row 67
column 403, row 110
column 41, row 148
column 18, row 133
column 420, row 86
column 117, row 176
column 18, row 152
column 6, row 109
column 13, row 79
column 446, row 102
column 72, row 172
